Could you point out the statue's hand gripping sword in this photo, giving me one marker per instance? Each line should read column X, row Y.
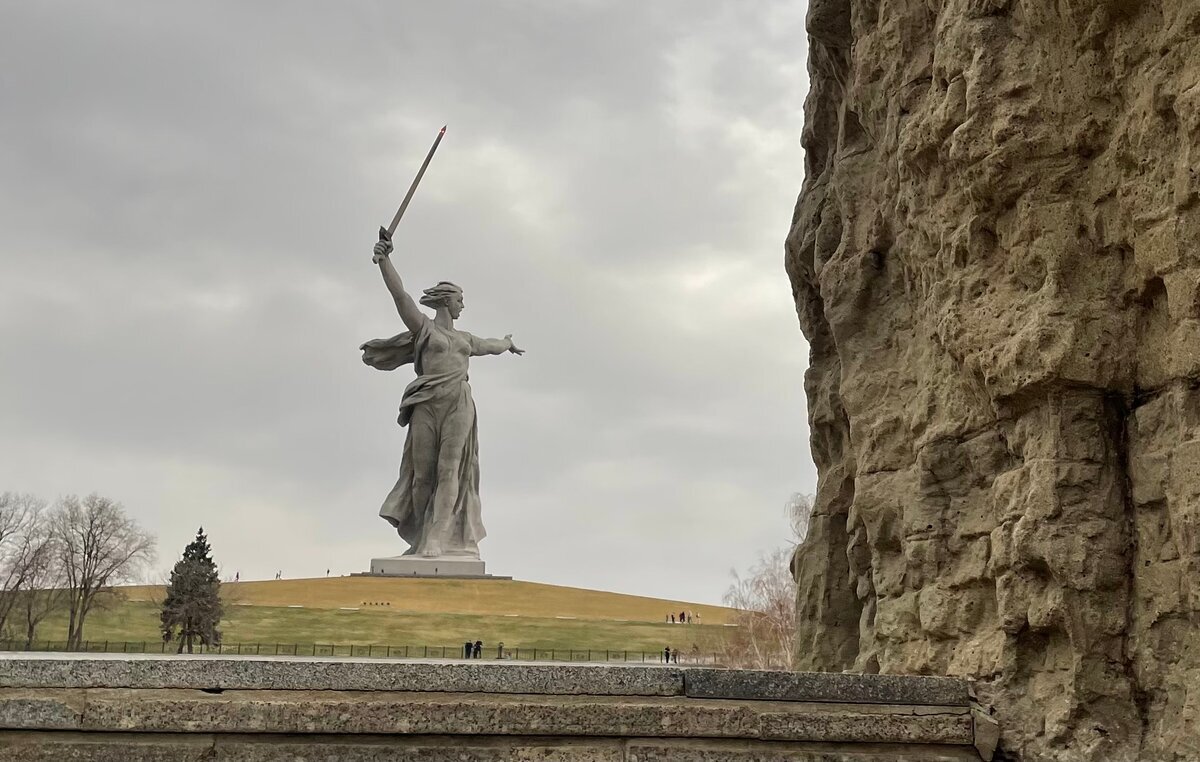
column 385, row 234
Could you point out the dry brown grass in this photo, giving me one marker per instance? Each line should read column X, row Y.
column 452, row 596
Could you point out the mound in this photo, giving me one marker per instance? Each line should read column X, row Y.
column 452, row 596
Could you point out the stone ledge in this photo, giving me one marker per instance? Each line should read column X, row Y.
column 307, row 673
column 348, row 712
column 758, row 685
column 540, row 678
column 25, row 746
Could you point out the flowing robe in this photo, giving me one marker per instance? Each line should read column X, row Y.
column 439, row 412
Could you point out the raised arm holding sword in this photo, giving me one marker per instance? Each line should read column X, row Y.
column 435, row 504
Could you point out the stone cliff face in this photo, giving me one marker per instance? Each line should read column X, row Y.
column 996, row 260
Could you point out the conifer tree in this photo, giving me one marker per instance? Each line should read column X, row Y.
column 193, row 600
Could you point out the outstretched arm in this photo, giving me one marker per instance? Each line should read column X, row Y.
column 494, row 346
column 405, row 305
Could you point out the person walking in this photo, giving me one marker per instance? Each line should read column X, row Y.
column 672, row 618
column 667, row 655
column 478, row 651
column 467, row 649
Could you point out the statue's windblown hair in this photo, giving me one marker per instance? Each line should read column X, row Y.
column 440, row 293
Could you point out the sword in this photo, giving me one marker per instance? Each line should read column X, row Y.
column 385, row 234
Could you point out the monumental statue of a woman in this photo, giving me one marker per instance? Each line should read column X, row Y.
column 435, row 503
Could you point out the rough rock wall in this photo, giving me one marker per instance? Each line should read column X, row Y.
column 996, row 260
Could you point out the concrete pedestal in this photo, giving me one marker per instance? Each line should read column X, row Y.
column 417, row 566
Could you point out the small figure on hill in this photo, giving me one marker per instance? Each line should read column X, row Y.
column 672, row 619
column 675, row 656
column 237, row 576
column 667, row 655
column 468, row 647
column 689, row 618
column 326, row 572
column 478, row 651
column 500, row 650
column 682, row 614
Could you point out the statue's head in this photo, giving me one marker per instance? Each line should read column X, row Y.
column 444, row 294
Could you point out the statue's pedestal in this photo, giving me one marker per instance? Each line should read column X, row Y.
column 418, row 566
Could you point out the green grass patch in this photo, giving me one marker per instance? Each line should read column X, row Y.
column 137, row 622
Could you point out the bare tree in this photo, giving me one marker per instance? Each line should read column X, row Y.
column 45, row 591
column 766, row 601
column 98, row 546
column 22, row 530
column 799, row 509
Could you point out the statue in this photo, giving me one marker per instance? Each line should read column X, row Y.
column 435, row 503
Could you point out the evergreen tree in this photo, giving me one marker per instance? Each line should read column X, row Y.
column 193, row 601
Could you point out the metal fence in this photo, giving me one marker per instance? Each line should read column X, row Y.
column 345, row 650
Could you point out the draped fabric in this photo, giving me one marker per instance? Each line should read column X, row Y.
column 389, row 354
column 442, row 427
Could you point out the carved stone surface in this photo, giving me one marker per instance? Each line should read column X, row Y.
column 996, row 260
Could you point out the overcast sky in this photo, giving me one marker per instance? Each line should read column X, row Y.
column 189, row 193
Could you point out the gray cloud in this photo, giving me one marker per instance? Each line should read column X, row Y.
column 188, row 196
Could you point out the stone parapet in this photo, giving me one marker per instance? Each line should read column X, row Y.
column 250, row 708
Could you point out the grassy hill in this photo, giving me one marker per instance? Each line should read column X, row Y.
column 451, row 596
column 418, row 613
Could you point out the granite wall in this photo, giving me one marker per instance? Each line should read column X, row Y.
column 231, row 709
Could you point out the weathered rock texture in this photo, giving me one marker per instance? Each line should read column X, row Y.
column 996, row 260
